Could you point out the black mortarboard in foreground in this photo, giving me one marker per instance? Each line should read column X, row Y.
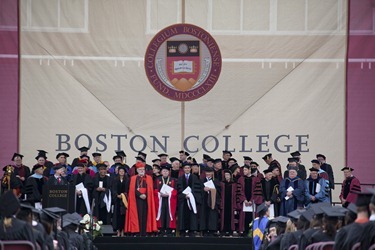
column 247, row 158
column 333, row 212
column 363, row 199
column 295, row 214
column 308, row 214
column 292, row 159
column 139, row 158
column 262, row 208
column 144, row 155
column 9, row 204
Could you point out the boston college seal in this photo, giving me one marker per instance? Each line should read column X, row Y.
column 183, row 62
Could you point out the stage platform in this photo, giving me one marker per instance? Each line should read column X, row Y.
column 172, row 243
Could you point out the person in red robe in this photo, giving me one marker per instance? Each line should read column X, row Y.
column 350, row 187
column 141, row 215
column 165, row 202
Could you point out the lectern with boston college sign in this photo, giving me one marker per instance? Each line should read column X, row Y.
column 62, row 196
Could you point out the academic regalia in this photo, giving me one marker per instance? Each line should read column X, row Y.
column 316, row 188
column 89, row 185
column 75, row 240
column 34, row 188
column 22, row 171
column 89, row 172
column 168, row 205
column 270, row 192
column 219, row 175
column 12, row 228
column 141, row 216
column 276, row 243
column 328, row 169
column 252, row 191
column 305, row 238
column 354, row 232
column 298, row 198
column 100, row 209
column 77, row 160
column 209, row 216
column 289, row 239
column 119, row 187
column 349, row 189
column 301, row 172
column 48, row 167
column 113, row 167
column 258, row 229
column 368, row 239
column 188, row 220
column 9, row 181
column 275, row 163
column 228, row 206
column 321, row 236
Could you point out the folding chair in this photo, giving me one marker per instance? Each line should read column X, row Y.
column 16, row 245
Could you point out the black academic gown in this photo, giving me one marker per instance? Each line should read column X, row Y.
column 53, row 180
column 75, row 240
column 353, row 235
column 368, row 239
column 276, row 243
column 321, row 236
column 209, row 218
column 34, row 189
column 186, row 218
column 19, row 230
column 88, row 183
column 305, row 238
column 100, row 209
column 119, row 187
column 290, row 239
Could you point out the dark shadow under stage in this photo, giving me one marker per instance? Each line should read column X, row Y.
column 172, row 243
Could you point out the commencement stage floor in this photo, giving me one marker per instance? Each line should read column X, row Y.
column 172, row 243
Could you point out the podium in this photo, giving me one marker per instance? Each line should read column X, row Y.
column 62, row 196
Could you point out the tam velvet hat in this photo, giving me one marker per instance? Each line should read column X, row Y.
column 15, row 155
column 84, row 149
column 60, row 154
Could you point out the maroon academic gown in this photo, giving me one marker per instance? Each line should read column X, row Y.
column 350, row 186
column 256, row 197
column 234, row 205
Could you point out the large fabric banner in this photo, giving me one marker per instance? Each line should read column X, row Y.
column 281, row 88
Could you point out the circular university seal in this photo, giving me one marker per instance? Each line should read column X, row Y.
column 183, row 62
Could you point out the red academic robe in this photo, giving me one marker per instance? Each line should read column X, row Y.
column 158, row 183
column 355, row 186
column 131, row 222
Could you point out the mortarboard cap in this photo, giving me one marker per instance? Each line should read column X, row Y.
column 314, row 170
column 41, row 156
column 48, row 216
column 157, row 166
column 267, row 156
column 36, row 166
column 247, row 158
column 316, row 207
column 217, row 160
column 320, row 155
column 96, row 154
column 292, row 159
column 347, row 168
column 234, row 167
column 173, row 159
column 120, row 153
column 84, row 149
column 208, row 169
column 295, row 214
column 254, row 163
column 162, row 154
column 166, row 166
column 56, row 210
column 315, row 161
column 281, row 220
column 206, row 157
column 60, row 154
column 227, row 171
column 85, row 156
column 117, row 156
column 296, row 153
column 42, row 152
column 227, row 152
column 58, row 166
column 120, row 166
column 155, row 160
column 140, row 158
column 15, row 155
column 267, row 171
column 27, row 205
column 184, row 152
column 262, row 208
column 144, row 155
column 211, row 160
column 292, row 168
column 232, row 159
column 9, row 204
column 333, row 212
column 363, row 199
column 101, row 166
column 308, row 214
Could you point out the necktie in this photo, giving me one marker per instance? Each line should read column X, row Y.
column 187, row 179
column 58, row 180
